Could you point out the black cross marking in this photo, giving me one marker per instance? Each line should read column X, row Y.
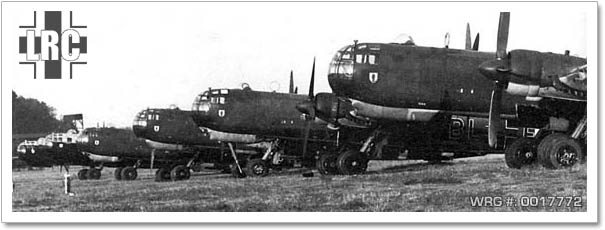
column 52, row 68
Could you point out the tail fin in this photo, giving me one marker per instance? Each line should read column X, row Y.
column 291, row 90
column 467, row 45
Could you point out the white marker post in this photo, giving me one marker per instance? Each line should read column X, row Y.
column 67, row 184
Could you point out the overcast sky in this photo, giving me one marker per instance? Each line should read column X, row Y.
column 155, row 54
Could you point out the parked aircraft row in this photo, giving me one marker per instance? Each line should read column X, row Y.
column 389, row 101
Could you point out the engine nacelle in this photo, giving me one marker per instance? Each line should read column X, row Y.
column 541, row 68
column 330, row 107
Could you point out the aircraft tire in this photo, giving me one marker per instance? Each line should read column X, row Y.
column 94, row 174
column 118, row 173
column 129, row 173
column 521, row 152
column 559, row 151
column 236, row 173
column 162, row 174
column 351, row 162
column 197, row 167
column 180, row 172
column 326, row 164
column 256, row 168
column 83, row 174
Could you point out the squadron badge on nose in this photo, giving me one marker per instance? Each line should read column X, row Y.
column 373, row 77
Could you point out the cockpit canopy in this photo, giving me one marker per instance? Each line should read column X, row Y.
column 213, row 96
column 342, row 64
column 141, row 118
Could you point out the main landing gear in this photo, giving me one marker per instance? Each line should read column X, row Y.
column 350, row 161
column 91, row 173
column 553, row 151
column 127, row 173
column 347, row 162
column 256, row 167
column 176, row 172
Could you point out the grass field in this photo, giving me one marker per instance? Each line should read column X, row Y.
column 402, row 186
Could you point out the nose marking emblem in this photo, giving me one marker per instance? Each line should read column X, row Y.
column 96, row 142
column 221, row 113
column 156, row 128
column 373, row 77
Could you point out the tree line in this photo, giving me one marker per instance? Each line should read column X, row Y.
column 33, row 116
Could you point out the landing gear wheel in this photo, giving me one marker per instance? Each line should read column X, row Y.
column 520, row 153
column 94, row 174
column 83, row 174
column 559, row 151
column 351, row 162
column 196, row 167
column 256, row 168
column 118, row 173
column 180, row 172
column 326, row 164
column 129, row 173
column 162, row 174
column 235, row 172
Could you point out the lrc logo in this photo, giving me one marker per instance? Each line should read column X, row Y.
column 52, row 46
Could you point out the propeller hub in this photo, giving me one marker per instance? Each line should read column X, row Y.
column 306, row 107
column 495, row 70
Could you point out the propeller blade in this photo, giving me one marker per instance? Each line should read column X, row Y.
column 306, row 138
column 502, row 35
column 467, row 45
column 312, row 84
column 291, row 82
column 476, row 44
column 308, row 106
column 494, row 114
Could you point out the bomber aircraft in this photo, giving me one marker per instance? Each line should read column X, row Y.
column 276, row 116
column 403, row 83
column 102, row 147
column 176, row 127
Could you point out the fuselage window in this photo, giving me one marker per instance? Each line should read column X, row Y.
column 366, row 58
column 372, row 59
column 359, row 58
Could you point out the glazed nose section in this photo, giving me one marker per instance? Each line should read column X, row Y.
column 340, row 76
column 201, row 109
column 139, row 124
column 82, row 138
column 201, row 113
